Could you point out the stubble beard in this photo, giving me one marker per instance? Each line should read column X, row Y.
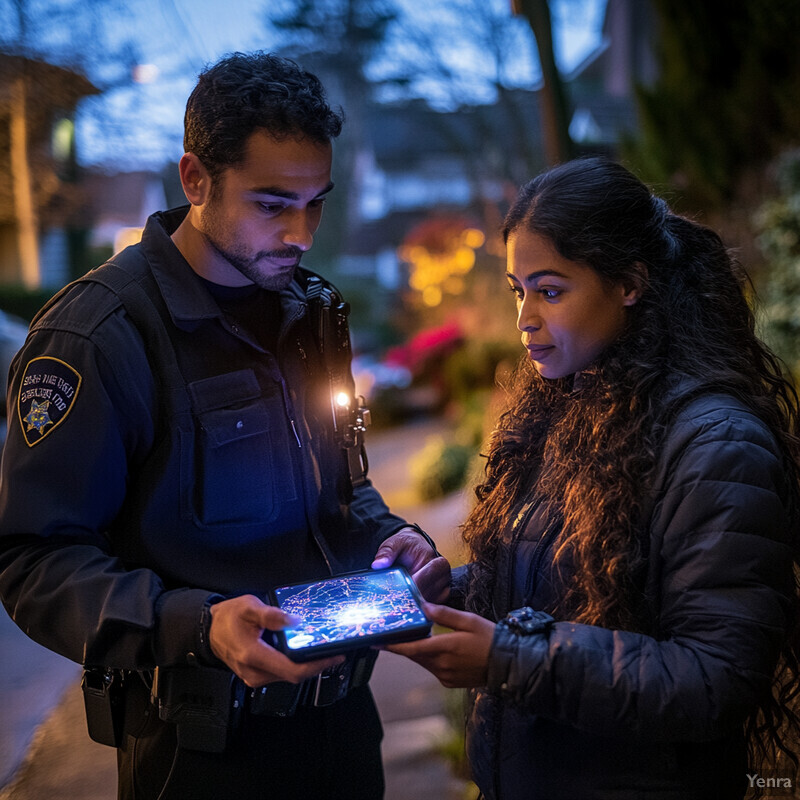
column 246, row 265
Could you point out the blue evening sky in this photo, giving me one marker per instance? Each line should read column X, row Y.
column 139, row 125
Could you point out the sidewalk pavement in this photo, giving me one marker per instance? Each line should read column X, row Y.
column 61, row 762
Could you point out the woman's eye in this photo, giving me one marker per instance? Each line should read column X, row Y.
column 516, row 291
column 550, row 294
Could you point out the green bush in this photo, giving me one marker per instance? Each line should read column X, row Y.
column 778, row 223
column 452, row 748
column 474, row 367
column 440, row 467
column 470, row 375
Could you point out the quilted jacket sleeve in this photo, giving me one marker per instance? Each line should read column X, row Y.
column 721, row 579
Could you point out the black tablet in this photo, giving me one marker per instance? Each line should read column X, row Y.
column 350, row 611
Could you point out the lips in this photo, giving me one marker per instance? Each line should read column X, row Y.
column 537, row 351
column 287, row 258
column 283, row 263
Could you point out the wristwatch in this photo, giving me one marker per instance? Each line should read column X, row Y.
column 525, row 621
column 507, row 645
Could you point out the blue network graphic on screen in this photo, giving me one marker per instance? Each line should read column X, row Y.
column 349, row 607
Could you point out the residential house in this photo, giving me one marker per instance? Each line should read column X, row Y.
column 38, row 192
column 416, row 161
column 120, row 204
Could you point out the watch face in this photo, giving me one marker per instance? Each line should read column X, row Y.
column 527, row 621
column 520, row 615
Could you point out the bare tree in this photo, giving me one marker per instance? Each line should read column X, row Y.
column 337, row 39
column 555, row 114
column 474, row 58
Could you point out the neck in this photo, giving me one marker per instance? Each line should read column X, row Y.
column 201, row 256
column 189, row 242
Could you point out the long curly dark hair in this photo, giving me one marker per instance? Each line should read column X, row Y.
column 592, row 453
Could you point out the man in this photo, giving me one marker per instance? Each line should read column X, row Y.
column 172, row 455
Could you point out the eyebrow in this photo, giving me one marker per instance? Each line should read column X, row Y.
column 277, row 191
column 538, row 274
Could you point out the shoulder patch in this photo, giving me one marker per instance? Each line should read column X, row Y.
column 47, row 393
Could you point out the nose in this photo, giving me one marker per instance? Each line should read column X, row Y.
column 527, row 318
column 298, row 232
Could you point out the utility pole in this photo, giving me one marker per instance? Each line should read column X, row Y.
column 22, row 191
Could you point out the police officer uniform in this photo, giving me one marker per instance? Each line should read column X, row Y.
column 155, row 468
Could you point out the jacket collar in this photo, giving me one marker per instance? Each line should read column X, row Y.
column 187, row 299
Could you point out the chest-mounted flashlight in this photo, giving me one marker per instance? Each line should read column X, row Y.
column 349, row 414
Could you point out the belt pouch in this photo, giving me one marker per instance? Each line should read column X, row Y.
column 103, row 701
column 278, row 699
column 198, row 700
column 335, row 683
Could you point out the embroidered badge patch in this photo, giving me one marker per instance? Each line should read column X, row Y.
column 46, row 396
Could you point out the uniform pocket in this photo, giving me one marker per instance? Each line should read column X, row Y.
column 243, row 467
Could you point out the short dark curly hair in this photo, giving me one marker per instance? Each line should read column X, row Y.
column 245, row 92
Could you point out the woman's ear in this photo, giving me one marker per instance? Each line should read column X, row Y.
column 634, row 287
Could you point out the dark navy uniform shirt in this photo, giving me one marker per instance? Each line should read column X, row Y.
column 121, row 511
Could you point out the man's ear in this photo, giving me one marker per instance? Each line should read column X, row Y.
column 195, row 179
column 635, row 286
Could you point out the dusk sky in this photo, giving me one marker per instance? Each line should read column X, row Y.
column 139, row 124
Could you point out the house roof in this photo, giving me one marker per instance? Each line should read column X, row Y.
column 55, row 86
column 50, row 91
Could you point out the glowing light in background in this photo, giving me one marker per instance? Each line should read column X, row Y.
column 440, row 252
column 145, row 73
column 63, row 138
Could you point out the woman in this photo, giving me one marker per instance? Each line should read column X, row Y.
column 631, row 588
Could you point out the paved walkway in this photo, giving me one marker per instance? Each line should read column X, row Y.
column 45, row 751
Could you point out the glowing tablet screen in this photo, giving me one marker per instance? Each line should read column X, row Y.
column 375, row 604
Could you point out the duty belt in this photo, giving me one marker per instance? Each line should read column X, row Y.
column 207, row 705
column 282, row 699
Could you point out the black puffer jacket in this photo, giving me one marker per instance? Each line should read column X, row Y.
column 580, row 712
